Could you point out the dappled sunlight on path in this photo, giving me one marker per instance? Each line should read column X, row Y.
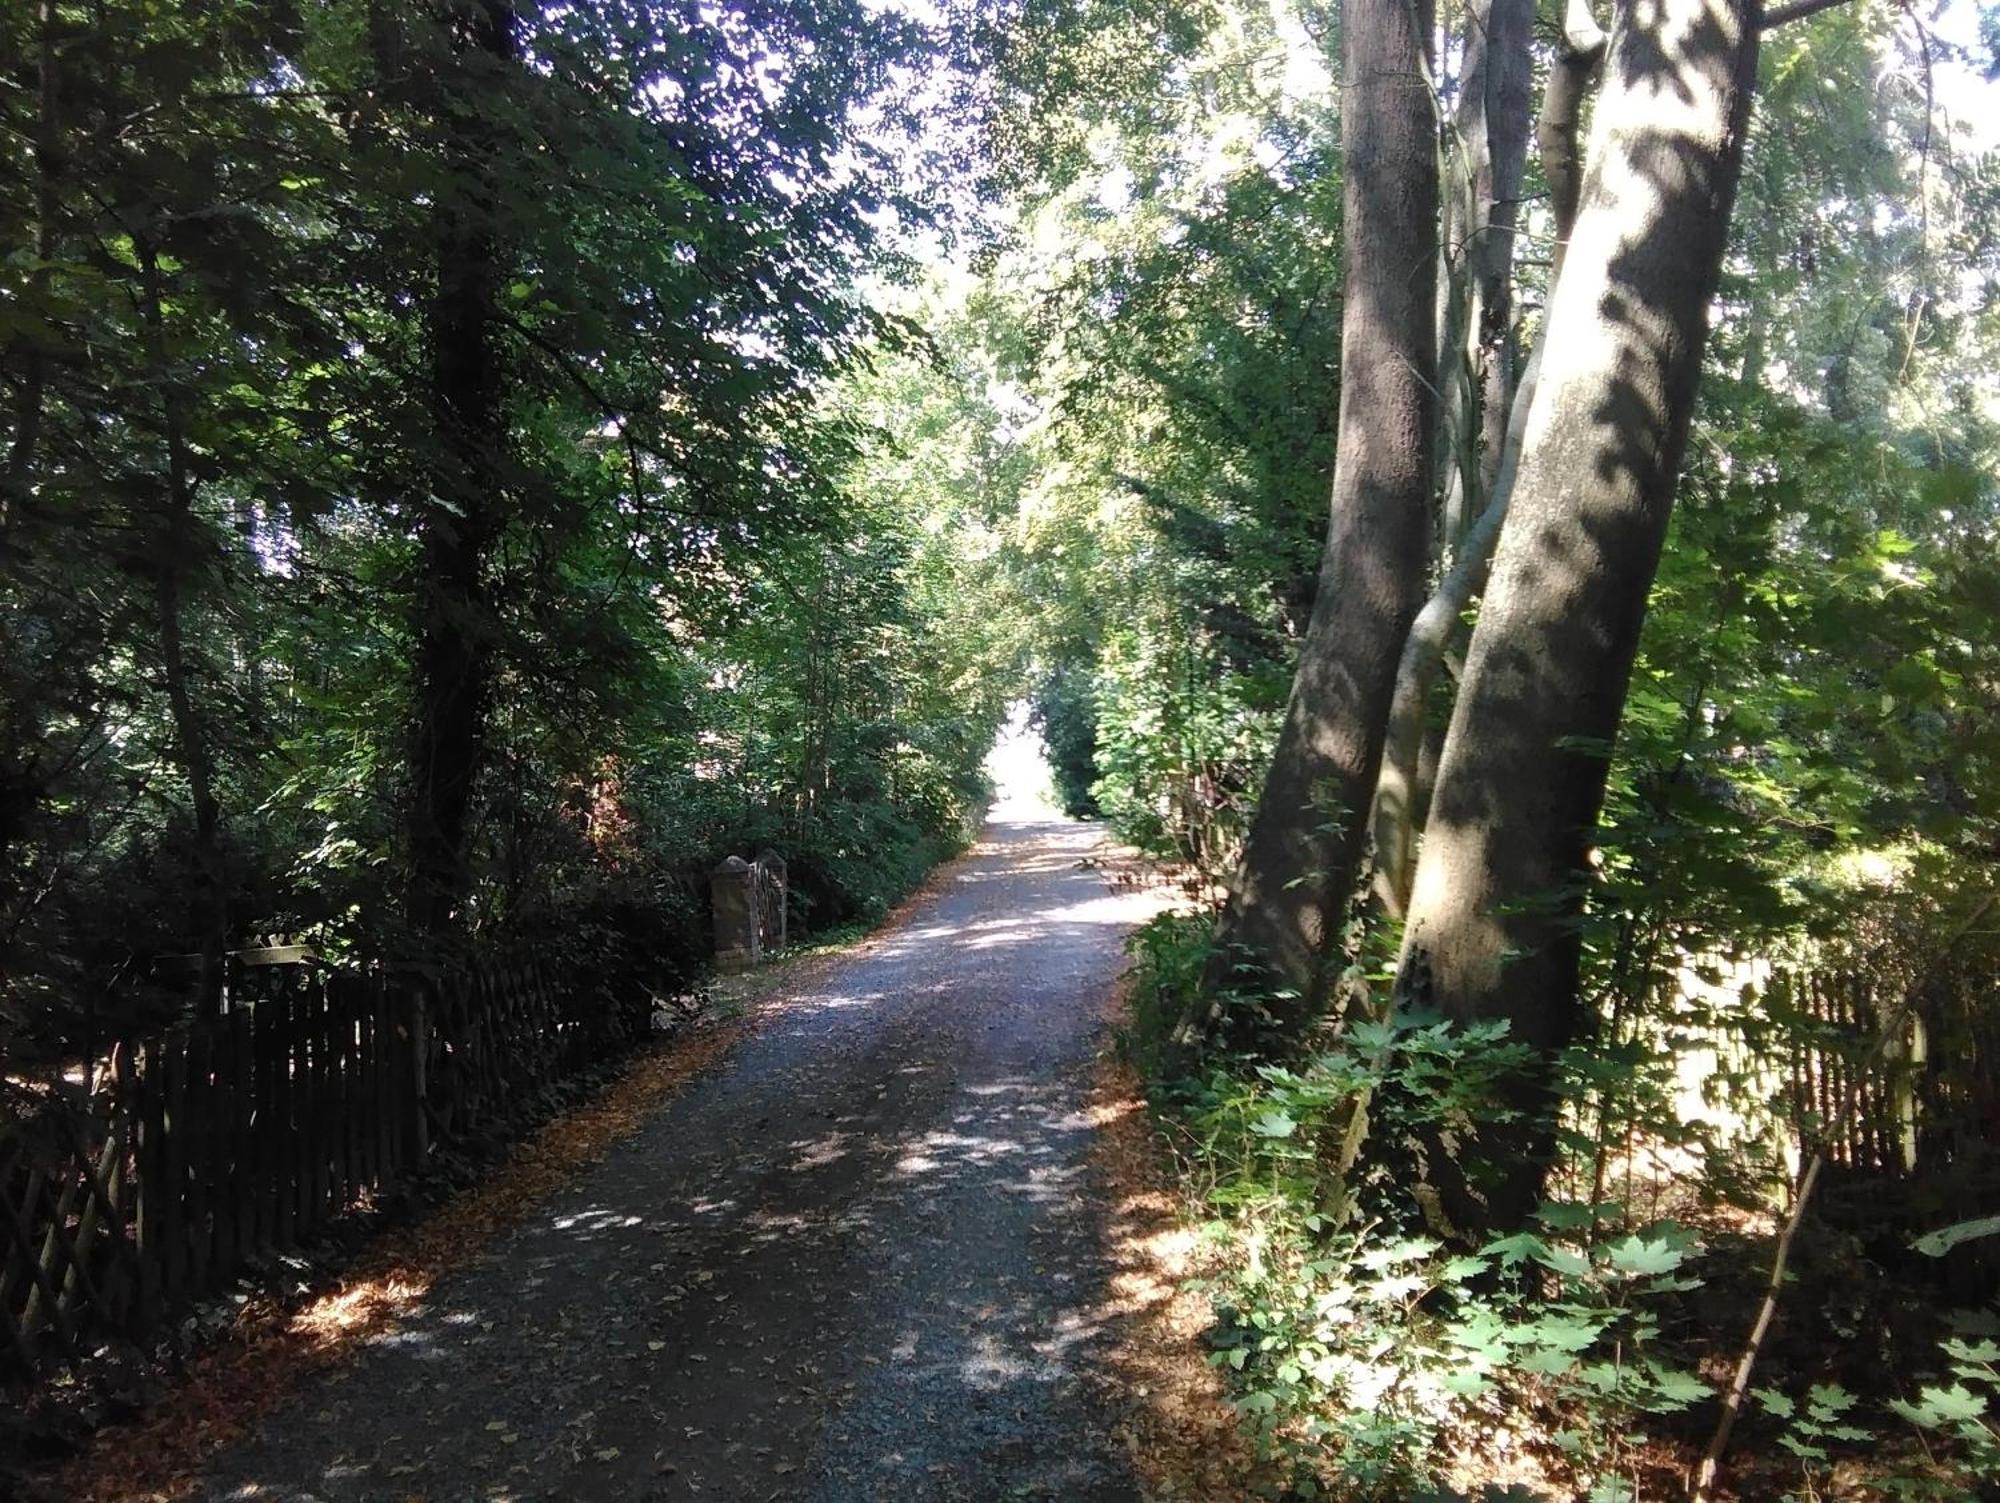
column 863, row 1259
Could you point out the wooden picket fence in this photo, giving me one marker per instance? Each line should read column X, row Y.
column 152, row 1178
column 1831, row 1061
column 1926, row 1104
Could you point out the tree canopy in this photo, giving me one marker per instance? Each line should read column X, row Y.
column 1504, row 503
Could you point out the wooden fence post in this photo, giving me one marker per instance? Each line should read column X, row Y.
column 420, row 1127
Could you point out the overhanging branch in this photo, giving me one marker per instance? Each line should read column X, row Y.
column 1798, row 10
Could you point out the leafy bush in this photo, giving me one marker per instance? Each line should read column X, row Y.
column 1365, row 1352
column 1065, row 712
column 1357, row 1354
column 1355, row 1339
column 1169, row 954
column 1967, row 1410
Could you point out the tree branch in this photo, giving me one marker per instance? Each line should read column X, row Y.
column 1798, row 10
column 1395, row 813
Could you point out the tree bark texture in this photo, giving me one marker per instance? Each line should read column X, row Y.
column 1475, row 355
column 1494, row 924
column 1559, row 129
column 1306, row 838
column 460, row 523
column 1476, row 370
column 173, row 565
column 33, row 359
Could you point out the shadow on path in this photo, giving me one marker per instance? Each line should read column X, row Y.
column 862, row 1259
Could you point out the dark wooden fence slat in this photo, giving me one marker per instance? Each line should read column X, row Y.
column 266, row 1146
column 207, row 1145
column 414, row 1088
column 325, row 1107
column 239, row 1232
column 102, row 1217
column 173, row 1200
column 22, row 1237
column 367, row 1168
column 15, row 1271
column 322, row 1114
column 200, row 1139
column 385, row 1097
column 224, row 1139
column 346, row 1172
column 311, row 1180
column 53, row 1254
column 151, row 1156
column 355, row 1123
column 126, row 1183
column 360, row 1088
column 284, row 1121
column 14, row 1274
column 69, row 1268
column 14, row 1268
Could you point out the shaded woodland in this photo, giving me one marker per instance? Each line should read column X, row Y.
column 1502, row 500
column 451, row 503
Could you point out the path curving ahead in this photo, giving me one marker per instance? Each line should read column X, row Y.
column 861, row 1259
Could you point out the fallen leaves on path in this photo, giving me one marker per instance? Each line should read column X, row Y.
column 1184, row 1439
column 274, row 1346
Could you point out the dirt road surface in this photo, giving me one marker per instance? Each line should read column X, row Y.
column 861, row 1259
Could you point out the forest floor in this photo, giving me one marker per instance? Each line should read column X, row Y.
column 888, row 1246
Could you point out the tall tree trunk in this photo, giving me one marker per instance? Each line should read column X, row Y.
column 1306, row 838
column 459, row 526
column 31, row 393
column 1498, row 116
column 1487, row 472
column 1494, row 926
column 22, row 718
column 171, row 567
column 1489, row 142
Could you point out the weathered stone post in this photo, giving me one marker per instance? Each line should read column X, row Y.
column 732, row 890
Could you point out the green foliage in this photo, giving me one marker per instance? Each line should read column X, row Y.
column 1167, row 317
column 1805, row 777
column 234, row 521
column 1966, row 1410
column 1810, row 1427
column 1958, row 1422
column 1360, row 1353
column 1356, row 1348
column 1168, row 955
column 1178, row 734
column 1936, row 1244
column 1066, row 715
column 764, row 543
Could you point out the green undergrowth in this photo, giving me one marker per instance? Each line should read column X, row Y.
column 1372, row 1360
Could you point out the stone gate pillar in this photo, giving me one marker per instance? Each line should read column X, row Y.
column 732, row 890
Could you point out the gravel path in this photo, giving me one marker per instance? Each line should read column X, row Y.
column 862, row 1259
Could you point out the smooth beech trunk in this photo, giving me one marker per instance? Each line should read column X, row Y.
column 1493, row 928
column 1489, row 141
column 1488, row 401
column 1306, row 839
